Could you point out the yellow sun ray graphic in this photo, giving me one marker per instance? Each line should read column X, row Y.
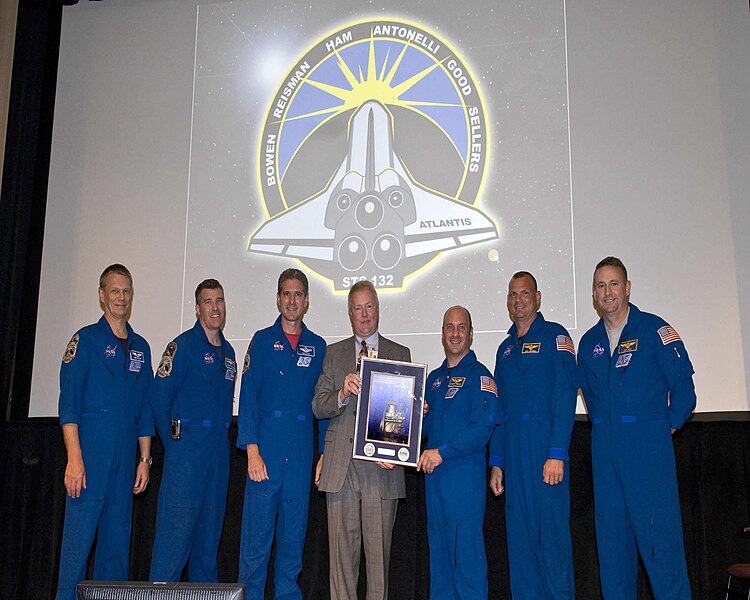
column 371, row 86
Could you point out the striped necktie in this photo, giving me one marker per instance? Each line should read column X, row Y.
column 362, row 353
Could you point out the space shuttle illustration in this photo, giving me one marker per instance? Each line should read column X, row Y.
column 372, row 216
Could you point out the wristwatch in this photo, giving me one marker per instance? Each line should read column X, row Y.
column 148, row 461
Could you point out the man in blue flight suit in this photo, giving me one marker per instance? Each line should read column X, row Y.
column 462, row 398
column 104, row 379
column 280, row 371
column 192, row 401
column 637, row 382
column 535, row 372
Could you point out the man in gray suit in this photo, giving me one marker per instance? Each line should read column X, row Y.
column 362, row 496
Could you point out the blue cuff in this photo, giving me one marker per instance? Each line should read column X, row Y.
column 244, row 441
column 497, row 461
column 446, row 452
column 69, row 419
column 558, row 454
column 677, row 421
column 147, row 431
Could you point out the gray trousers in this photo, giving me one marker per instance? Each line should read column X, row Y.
column 358, row 514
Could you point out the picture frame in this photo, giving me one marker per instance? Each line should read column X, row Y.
column 390, row 411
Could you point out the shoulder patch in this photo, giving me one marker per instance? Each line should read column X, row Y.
column 564, row 343
column 71, row 349
column 487, row 384
column 246, row 362
column 165, row 364
column 668, row 335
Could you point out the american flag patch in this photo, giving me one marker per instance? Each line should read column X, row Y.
column 668, row 335
column 487, row 384
column 565, row 343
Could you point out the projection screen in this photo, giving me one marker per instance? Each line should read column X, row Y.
column 434, row 148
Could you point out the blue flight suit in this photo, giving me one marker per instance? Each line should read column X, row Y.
column 634, row 398
column 462, row 402
column 278, row 383
column 103, row 389
column 194, row 383
column 537, row 384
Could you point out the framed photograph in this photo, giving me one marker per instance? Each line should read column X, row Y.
column 389, row 414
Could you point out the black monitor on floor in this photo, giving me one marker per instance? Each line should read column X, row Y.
column 142, row 590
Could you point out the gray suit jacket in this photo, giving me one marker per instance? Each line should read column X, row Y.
column 339, row 361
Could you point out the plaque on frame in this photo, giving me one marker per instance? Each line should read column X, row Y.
column 389, row 413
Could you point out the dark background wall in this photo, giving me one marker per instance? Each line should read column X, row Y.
column 713, row 468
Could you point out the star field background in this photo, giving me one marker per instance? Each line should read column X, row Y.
column 517, row 54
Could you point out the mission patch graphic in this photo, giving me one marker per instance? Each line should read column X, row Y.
column 372, row 156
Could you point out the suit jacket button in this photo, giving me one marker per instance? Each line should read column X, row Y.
column 351, row 440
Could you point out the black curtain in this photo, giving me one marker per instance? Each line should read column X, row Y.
column 713, row 463
column 24, row 194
